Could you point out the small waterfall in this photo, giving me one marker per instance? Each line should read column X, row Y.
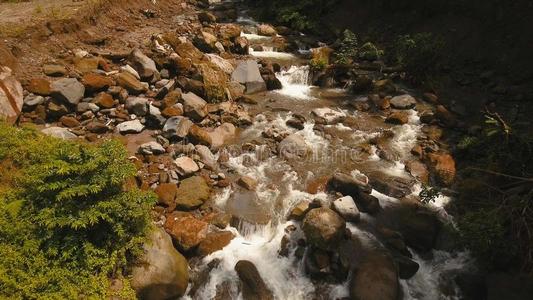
column 295, row 82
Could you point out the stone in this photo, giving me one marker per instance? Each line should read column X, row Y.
column 393, row 186
column 418, row 170
column 95, row 82
column 186, row 166
column 33, row 100
column 137, row 106
column 247, row 73
column 97, row 127
column 188, row 51
column 68, row 90
column 186, row 230
column 69, row 122
column 104, row 100
column 207, row 17
column 248, row 183
column 151, row 148
column 154, row 118
column 443, row 166
column 398, row 118
column 54, row 70
column 166, row 194
column 299, row 211
column 177, row 127
column 131, row 70
column 419, row 226
column 206, row 157
column 222, row 134
column 346, row 207
column 328, row 116
column 253, row 286
column 214, row 80
column 87, row 106
column 221, row 63
column 134, row 126
column 323, row 228
column 403, row 102
column 194, row 107
column 241, row 46
column 214, row 242
column 445, row 116
column 86, row 65
column 161, row 272
column 266, row 30
column 60, row 133
column 229, row 31
column 172, row 111
column 375, row 278
column 192, row 193
column 205, row 41
column 144, row 65
column 56, row 110
column 294, row 147
column 130, row 83
column 39, row 86
column 200, row 136
column 407, row 267
column 11, row 96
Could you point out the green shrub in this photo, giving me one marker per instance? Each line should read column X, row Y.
column 370, row 52
column 67, row 224
column 420, row 54
column 347, row 50
column 318, row 64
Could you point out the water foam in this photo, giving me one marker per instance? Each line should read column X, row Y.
column 295, row 83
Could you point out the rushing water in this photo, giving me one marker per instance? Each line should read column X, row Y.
column 281, row 185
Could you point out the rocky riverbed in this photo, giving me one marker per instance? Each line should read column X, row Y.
column 274, row 181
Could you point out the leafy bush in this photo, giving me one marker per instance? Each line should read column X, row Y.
column 420, row 54
column 347, row 50
column 318, row 64
column 67, row 224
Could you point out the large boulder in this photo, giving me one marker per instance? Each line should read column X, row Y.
column 419, row 225
column 443, row 166
column 266, row 30
column 186, row 230
column 323, row 228
column 192, row 193
column 376, row 278
column 294, row 147
column 358, row 189
column 393, row 186
column 214, row 242
column 11, row 98
column 346, row 207
column 144, row 65
column 214, row 80
column 60, row 133
column 221, row 63
column 68, row 90
column 222, row 134
column 403, row 102
column 247, row 73
column 253, row 286
column 95, row 82
column 162, row 272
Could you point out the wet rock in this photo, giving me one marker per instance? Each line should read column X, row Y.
column 248, row 183
column 397, row 187
column 253, row 286
column 192, row 193
column 299, row 211
column 362, row 84
column 443, row 166
column 11, row 95
column 95, row 82
column 214, row 242
column 55, row 70
column 151, row 148
column 418, row 170
column 186, row 230
column 297, row 121
column 144, row 65
column 445, row 116
column 134, row 126
column 130, row 83
column 60, row 133
column 367, row 203
column 348, row 185
column 346, row 207
column 403, row 102
column 323, row 228
column 419, row 225
column 39, row 86
column 68, row 90
column 407, row 267
column 247, row 73
column 194, row 107
column 398, row 118
column 328, row 116
column 137, row 106
column 186, row 166
column 375, row 278
column 161, row 272
column 294, row 147
column 177, row 127
column 266, row 30
column 166, row 195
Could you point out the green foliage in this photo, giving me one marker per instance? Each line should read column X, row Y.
column 420, row 54
column 428, row 194
column 318, row 64
column 66, row 222
column 347, row 50
column 370, row 52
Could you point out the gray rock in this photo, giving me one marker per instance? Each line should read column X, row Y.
column 68, row 90
column 33, row 100
column 194, row 107
column 60, row 133
column 207, row 157
column 144, row 65
column 11, row 97
column 137, row 106
column 328, row 116
column 222, row 134
column 154, row 117
column 162, row 272
column 294, row 147
column 247, row 73
column 134, row 126
column 346, row 207
column 222, row 63
column 403, row 102
column 151, row 148
column 177, row 127
column 87, row 106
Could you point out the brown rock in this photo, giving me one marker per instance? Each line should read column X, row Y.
column 200, row 135
column 54, row 70
column 418, row 170
column 104, row 100
column 39, row 86
column 317, row 185
column 69, row 122
column 299, row 211
column 431, row 98
column 130, row 83
column 214, row 242
column 443, row 165
column 186, row 230
column 86, row 65
column 248, row 183
column 166, row 194
column 96, row 82
column 192, row 193
column 398, row 118
column 172, row 111
column 445, row 116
